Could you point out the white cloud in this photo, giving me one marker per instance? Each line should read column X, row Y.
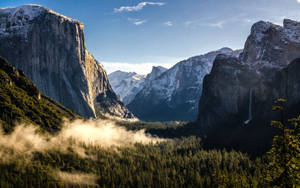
column 140, row 68
column 140, row 22
column 138, row 7
column 219, row 24
column 249, row 20
column 169, row 23
column 202, row 23
column 137, row 21
column 298, row 1
column 239, row 19
column 189, row 23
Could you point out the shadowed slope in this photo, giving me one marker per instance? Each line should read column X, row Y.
column 21, row 101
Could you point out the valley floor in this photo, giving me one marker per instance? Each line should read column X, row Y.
column 85, row 160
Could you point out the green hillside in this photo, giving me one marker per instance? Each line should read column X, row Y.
column 21, row 101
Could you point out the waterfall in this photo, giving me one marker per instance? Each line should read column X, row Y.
column 249, row 108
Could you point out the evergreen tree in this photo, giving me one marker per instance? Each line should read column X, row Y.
column 284, row 167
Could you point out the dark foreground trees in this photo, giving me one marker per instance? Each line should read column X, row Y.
column 178, row 163
column 174, row 163
column 284, row 167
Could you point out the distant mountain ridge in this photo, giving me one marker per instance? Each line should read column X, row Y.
column 174, row 95
column 50, row 49
column 128, row 84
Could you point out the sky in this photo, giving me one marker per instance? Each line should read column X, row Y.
column 134, row 35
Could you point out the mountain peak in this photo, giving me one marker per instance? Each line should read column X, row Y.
column 288, row 23
column 18, row 20
column 31, row 11
column 158, row 68
column 260, row 28
column 122, row 74
column 126, row 84
column 225, row 50
column 267, row 44
column 155, row 73
column 292, row 30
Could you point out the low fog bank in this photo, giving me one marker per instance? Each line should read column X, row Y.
column 75, row 178
column 74, row 136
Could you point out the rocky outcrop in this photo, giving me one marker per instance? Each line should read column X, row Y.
column 50, row 49
column 242, row 90
column 272, row 45
column 174, row 94
column 155, row 73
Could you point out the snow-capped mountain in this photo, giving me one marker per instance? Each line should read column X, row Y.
column 174, row 95
column 155, row 73
column 128, row 84
column 50, row 49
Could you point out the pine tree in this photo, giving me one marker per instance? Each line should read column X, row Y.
column 284, row 166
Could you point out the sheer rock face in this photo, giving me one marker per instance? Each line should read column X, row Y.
column 174, row 95
column 50, row 49
column 263, row 69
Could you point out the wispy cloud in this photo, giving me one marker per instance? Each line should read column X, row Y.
column 140, row 22
column 298, row 1
column 138, row 7
column 188, row 23
column 200, row 23
column 219, row 24
column 169, row 23
column 137, row 21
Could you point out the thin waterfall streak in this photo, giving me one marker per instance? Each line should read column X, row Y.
column 250, row 105
column 249, row 108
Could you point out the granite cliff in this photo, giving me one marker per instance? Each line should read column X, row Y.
column 50, row 49
column 243, row 89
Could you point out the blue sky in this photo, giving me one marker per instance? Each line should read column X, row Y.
column 133, row 35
